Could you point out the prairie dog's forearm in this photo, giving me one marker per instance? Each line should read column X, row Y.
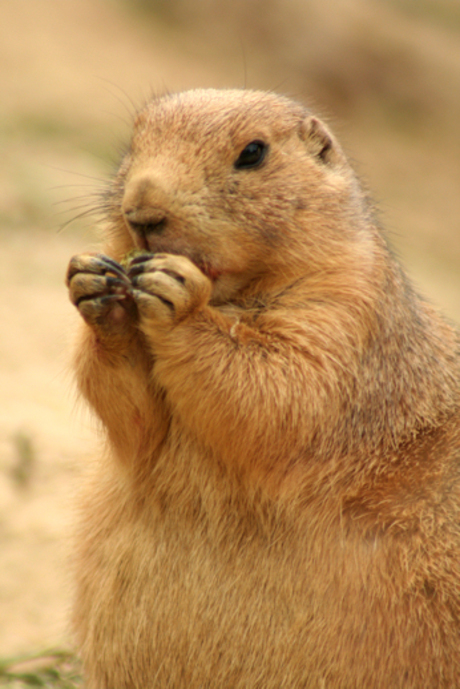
column 118, row 386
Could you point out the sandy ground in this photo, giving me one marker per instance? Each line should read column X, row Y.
column 68, row 73
column 42, row 445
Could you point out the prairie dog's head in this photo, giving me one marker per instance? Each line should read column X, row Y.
column 247, row 184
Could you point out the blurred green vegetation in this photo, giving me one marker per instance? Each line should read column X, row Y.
column 446, row 13
column 58, row 669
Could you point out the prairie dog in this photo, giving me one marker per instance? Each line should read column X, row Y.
column 278, row 506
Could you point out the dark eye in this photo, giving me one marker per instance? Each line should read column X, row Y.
column 251, row 156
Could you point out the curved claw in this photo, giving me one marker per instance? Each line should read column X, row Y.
column 96, row 264
column 113, row 266
column 145, row 256
column 119, row 292
column 143, row 265
column 104, row 300
column 137, row 265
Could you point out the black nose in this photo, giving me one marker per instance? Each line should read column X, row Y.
column 144, row 229
column 144, row 223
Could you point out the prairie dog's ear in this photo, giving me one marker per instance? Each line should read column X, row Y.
column 319, row 142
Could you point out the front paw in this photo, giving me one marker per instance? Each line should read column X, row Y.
column 100, row 289
column 167, row 288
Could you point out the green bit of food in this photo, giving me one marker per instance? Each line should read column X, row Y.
column 127, row 258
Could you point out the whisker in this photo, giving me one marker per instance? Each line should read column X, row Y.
column 84, row 214
column 131, row 112
column 127, row 123
column 77, row 186
column 101, row 180
column 90, row 209
column 89, row 198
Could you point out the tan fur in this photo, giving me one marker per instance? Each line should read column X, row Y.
column 279, row 502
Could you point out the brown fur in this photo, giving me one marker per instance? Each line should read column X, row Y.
column 279, row 505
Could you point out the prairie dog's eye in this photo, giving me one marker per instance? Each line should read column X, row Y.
column 252, row 155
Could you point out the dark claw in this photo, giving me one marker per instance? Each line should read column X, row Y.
column 107, row 299
column 138, row 294
column 112, row 266
column 141, row 257
column 111, row 298
column 165, row 301
column 99, row 265
column 116, row 267
column 116, row 282
column 136, row 270
column 139, row 269
column 173, row 274
column 135, row 281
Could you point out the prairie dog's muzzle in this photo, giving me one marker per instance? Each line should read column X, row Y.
column 145, row 205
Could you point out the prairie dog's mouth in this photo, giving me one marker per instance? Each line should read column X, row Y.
column 227, row 283
column 212, row 273
column 157, row 246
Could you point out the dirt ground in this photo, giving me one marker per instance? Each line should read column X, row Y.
column 70, row 72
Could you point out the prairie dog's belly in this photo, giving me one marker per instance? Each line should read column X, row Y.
column 200, row 606
column 182, row 600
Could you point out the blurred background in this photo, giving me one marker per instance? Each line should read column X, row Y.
column 385, row 74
